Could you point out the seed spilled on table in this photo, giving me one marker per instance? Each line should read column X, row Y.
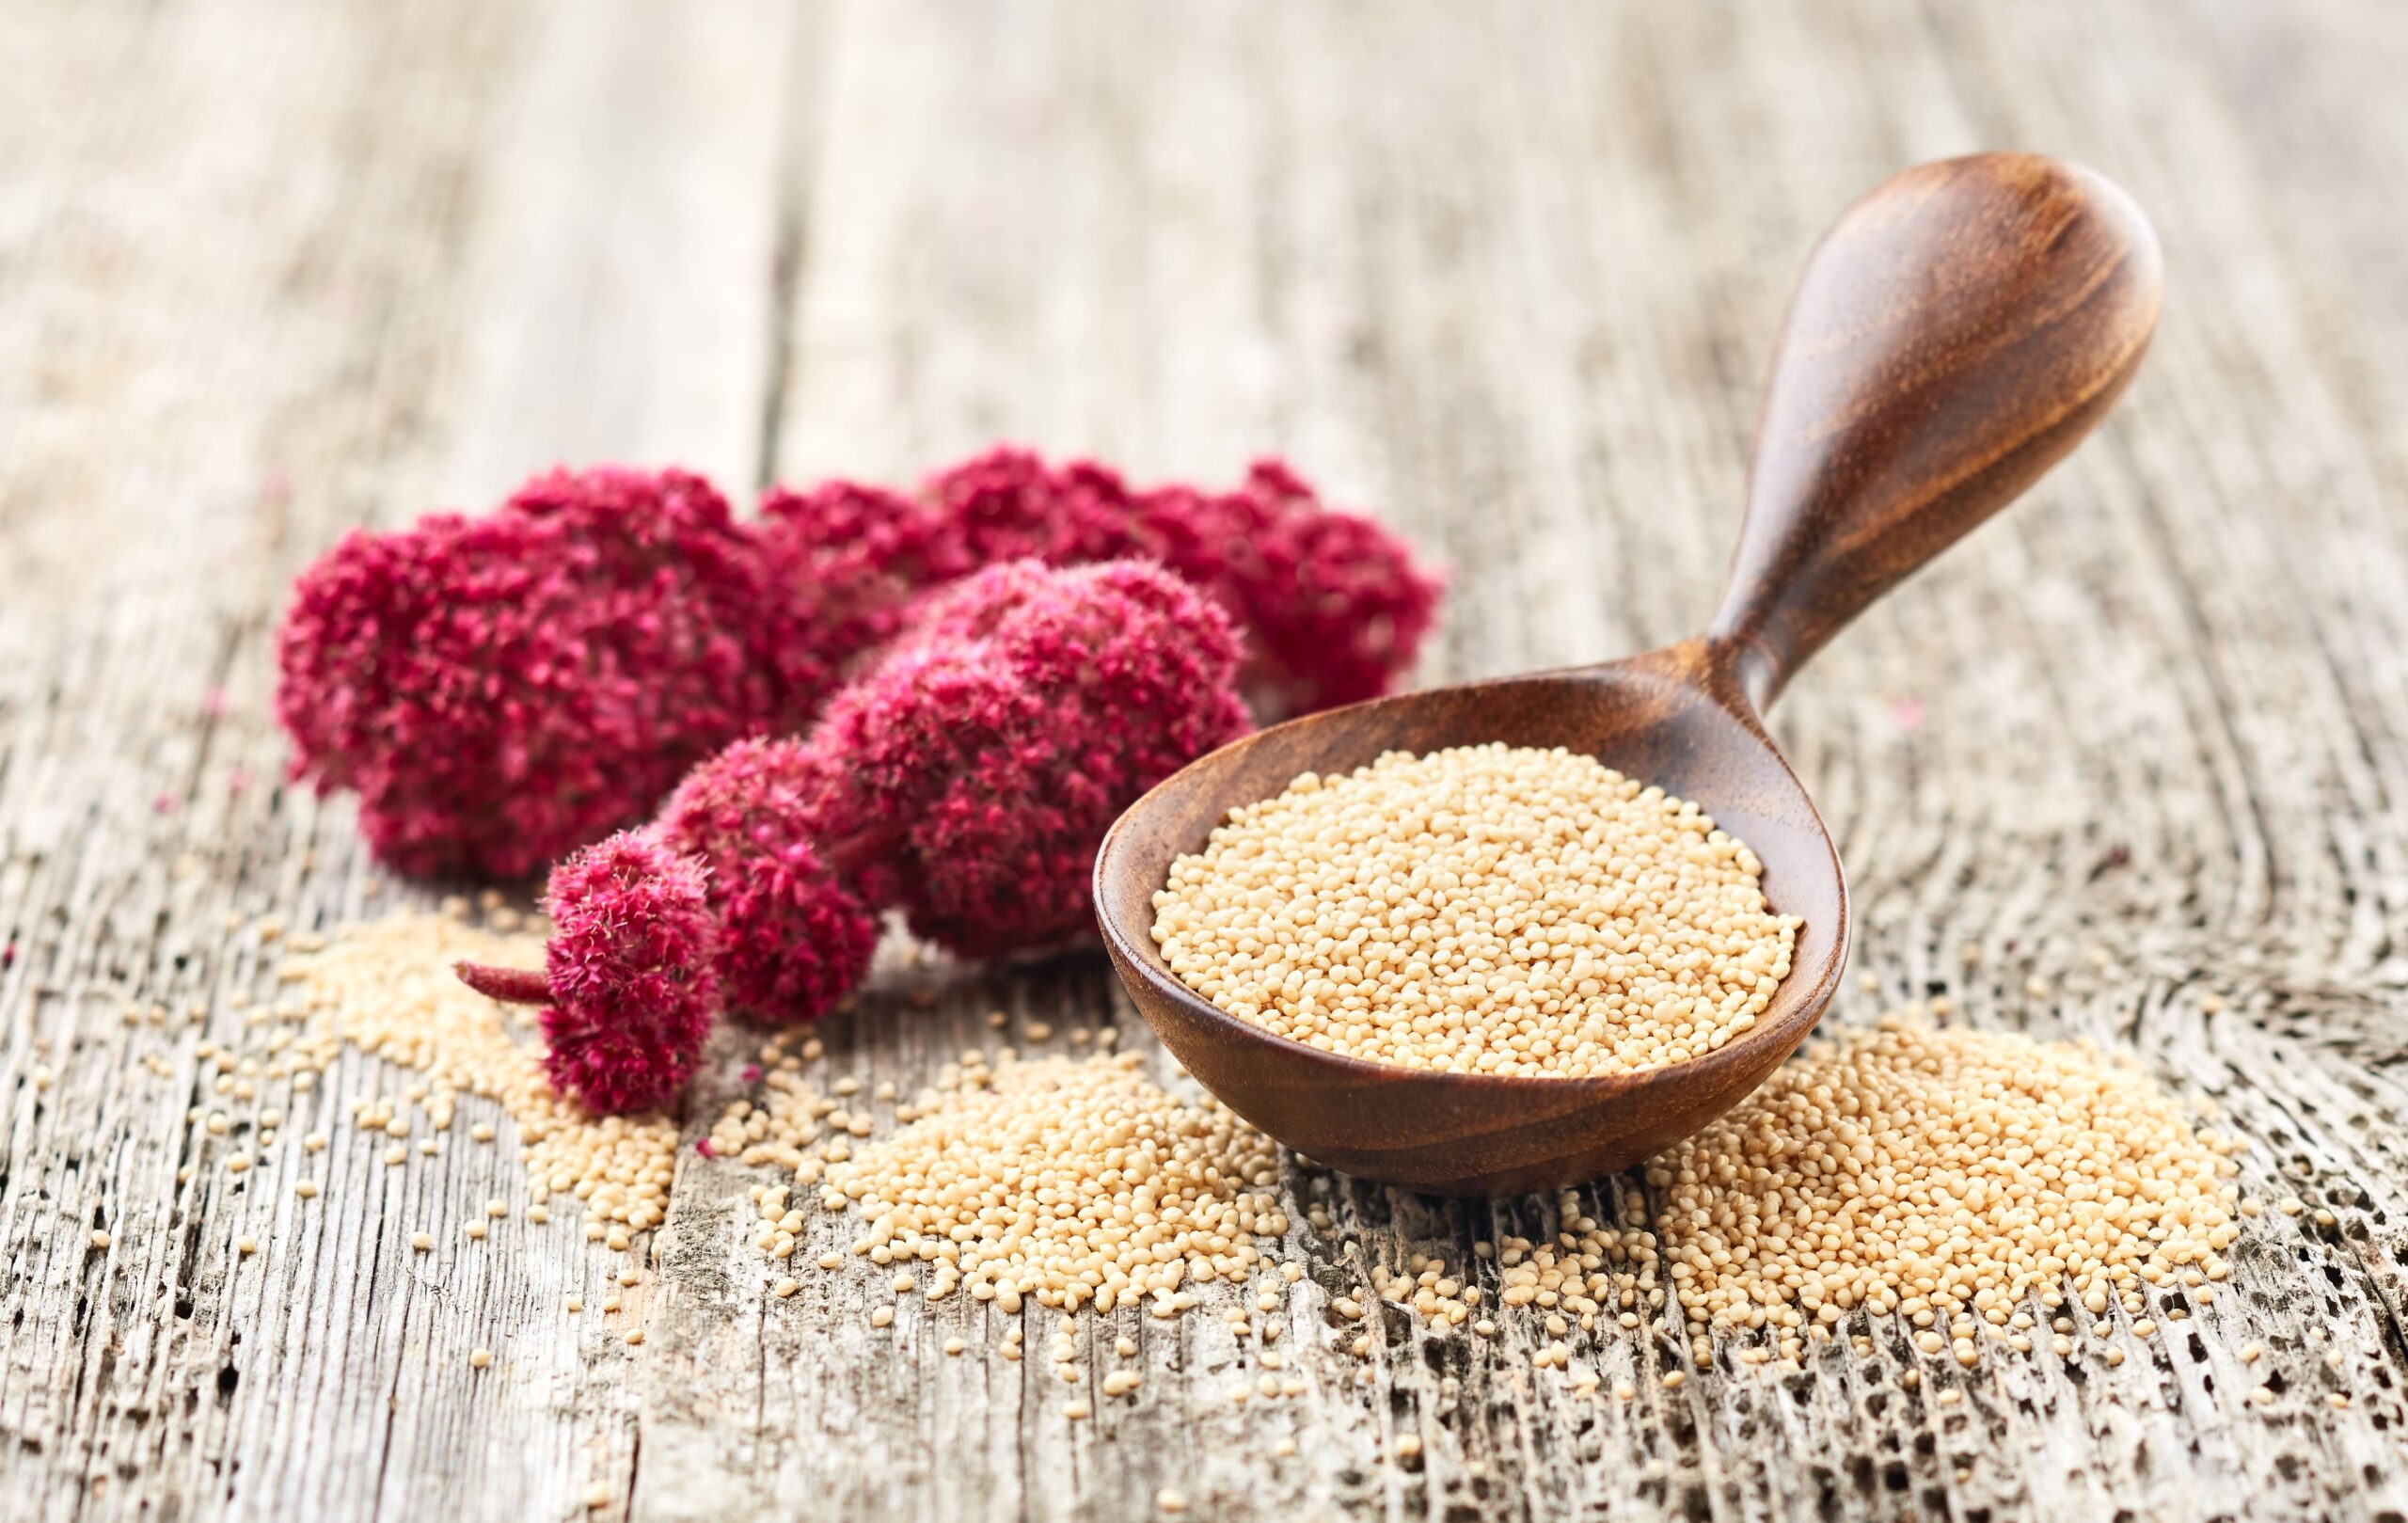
column 1064, row 1180
column 386, row 986
column 1946, row 1176
column 1079, row 1184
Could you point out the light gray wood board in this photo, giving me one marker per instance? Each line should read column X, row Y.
column 1510, row 276
column 271, row 270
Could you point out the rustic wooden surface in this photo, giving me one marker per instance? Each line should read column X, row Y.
column 1510, row 274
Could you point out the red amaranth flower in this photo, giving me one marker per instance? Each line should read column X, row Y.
column 500, row 690
column 989, row 752
column 630, row 977
column 967, row 780
column 795, row 936
column 504, row 689
column 1332, row 605
column 862, row 548
column 1009, row 504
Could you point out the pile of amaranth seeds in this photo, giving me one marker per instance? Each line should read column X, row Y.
column 1976, row 1184
column 1068, row 1183
column 386, row 987
column 1491, row 910
column 1967, row 1181
column 1016, row 1177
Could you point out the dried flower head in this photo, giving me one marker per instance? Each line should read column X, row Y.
column 796, row 936
column 991, row 750
column 1332, row 605
column 629, row 973
column 502, row 688
column 967, row 780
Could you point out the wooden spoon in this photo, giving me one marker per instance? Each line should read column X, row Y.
column 1956, row 331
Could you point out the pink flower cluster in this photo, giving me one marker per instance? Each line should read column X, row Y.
column 500, row 690
column 629, row 974
column 795, row 936
column 989, row 754
column 966, row 780
column 1332, row 605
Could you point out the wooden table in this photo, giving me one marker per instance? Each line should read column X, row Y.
column 1510, row 275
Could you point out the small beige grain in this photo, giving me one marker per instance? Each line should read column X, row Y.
column 1485, row 908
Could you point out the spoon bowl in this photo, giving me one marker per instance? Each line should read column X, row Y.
column 1467, row 1134
column 1954, row 334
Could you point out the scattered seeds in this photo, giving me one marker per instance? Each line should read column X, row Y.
column 1096, row 1141
column 1896, row 1169
column 387, row 987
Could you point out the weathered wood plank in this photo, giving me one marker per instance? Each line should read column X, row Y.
column 626, row 270
column 275, row 274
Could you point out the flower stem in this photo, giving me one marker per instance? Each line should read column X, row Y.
column 511, row 986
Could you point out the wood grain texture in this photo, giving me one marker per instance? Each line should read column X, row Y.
column 1956, row 332
column 1506, row 272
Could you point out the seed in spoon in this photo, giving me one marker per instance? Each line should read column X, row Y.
column 1483, row 909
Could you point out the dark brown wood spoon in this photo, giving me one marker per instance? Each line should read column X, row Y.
column 1956, row 332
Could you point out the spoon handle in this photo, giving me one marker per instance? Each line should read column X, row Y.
column 1956, row 332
